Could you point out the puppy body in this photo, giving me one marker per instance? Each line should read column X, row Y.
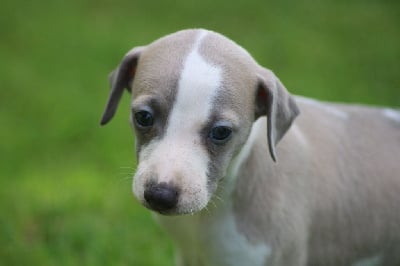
column 327, row 201
column 330, row 199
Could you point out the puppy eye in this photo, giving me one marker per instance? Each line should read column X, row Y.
column 144, row 119
column 220, row 134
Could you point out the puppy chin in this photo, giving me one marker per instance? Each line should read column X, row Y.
column 176, row 211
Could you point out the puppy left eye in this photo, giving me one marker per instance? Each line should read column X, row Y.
column 220, row 134
column 144, row 119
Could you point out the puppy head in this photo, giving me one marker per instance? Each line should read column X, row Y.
column 195, row 95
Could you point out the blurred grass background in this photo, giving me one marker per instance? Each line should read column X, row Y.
column 65, row 183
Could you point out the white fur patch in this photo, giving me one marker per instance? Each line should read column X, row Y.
column 179, row 156
column 370, row 261
column 217, row 237
column 227, row 246
column 392, row 114
column 197, row 88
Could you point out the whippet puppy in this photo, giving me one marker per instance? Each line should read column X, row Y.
column 240, row 172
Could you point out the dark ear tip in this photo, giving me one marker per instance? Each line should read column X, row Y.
column 271, row 149
column 273, row 156
column 104, row 120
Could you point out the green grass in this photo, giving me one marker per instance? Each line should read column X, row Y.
column 65, row 183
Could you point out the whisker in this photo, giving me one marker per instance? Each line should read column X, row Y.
column 218, row 198
column 126, row 178
column 126, row 173
column 207, row 210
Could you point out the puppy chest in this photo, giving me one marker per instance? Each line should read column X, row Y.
column 214, row 241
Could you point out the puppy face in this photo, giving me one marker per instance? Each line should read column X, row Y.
column 195, row 95
column 189, row 123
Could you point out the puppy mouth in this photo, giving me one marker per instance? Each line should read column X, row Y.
column 172, row 212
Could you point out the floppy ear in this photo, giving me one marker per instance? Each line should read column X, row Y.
column 274, row 101
column 121, row 78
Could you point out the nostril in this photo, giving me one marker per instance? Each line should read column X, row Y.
column 161, row 197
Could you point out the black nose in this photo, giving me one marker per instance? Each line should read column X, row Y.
column 161, row 197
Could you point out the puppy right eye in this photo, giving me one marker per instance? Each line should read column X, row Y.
column 144, row 119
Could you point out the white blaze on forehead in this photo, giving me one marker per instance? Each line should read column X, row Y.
column 197, row 88
column 179, row 156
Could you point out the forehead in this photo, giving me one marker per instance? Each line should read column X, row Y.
column 197, row 87
column 195, row 68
